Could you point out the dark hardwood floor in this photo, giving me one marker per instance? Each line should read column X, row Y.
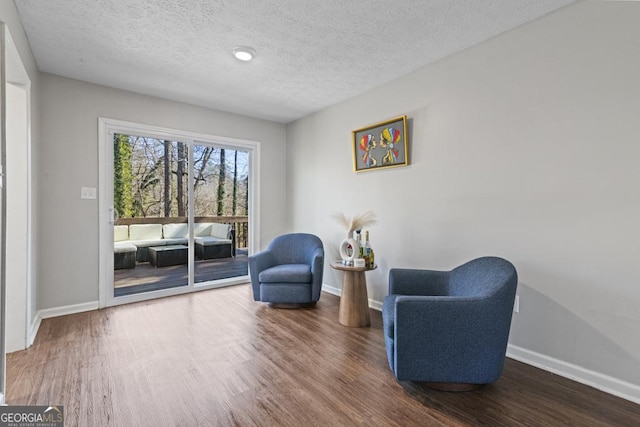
column 217, row 358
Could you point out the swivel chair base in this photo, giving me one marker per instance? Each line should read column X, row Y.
column 452, row 387
column 292, row 305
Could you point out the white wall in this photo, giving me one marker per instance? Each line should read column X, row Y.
column 525, row 146
column 68, row 245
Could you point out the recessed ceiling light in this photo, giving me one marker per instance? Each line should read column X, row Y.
column 244, row 53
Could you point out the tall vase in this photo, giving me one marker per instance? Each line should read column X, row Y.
column 349, row 250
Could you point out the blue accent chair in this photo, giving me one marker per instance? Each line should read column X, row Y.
column 288, row 273
column 449, row 329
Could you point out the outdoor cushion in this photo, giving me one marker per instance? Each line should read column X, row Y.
column 147, row 243
column 211, row 241
column 172, row 231
column 176, row 241
column 202, row 229
column 124, row 247
column 120, row 233
column 220, row 231
column 145, row 232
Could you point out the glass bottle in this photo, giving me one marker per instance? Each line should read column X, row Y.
column 359, row 239
column 367, row 251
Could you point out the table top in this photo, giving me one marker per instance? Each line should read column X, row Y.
column 168, row 248
column 338, row 265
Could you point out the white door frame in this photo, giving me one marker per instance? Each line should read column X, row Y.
column 3, row 228
column 106, row 129
column 17, row 327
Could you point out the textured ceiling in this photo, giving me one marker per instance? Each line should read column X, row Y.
column 310, row 54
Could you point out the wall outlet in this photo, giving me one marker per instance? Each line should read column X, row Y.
column 516, row 304
column 88, row 193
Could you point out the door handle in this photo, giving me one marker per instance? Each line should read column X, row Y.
column 113, row 215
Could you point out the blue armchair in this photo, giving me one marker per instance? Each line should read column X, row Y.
column 450, row 329
column 288, row 273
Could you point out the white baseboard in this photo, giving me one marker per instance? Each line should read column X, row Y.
column 33, row 330
column 58, row 311
column 68, row 309
column 331, row 290
column 376, row 305
column 576, row 373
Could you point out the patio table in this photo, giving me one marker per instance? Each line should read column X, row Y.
column 163, row 256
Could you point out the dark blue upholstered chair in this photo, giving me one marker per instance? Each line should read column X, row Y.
column 288, row 273
column 449, row 329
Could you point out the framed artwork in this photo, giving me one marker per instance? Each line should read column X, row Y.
column 381, row 145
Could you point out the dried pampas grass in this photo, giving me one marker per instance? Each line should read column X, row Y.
column 358, row 222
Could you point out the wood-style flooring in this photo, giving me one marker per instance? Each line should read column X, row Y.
column 217, row 358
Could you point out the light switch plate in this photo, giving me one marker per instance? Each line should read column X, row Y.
column 88, row 193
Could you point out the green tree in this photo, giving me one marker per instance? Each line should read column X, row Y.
column 167, row 178
column 235, row 184
column 122, row 176
column 246, row 195
column 221, row 182
column 180, row 174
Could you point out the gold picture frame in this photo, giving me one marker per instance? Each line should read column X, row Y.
column 381, row 145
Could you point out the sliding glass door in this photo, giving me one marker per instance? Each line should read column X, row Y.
column 220, row 203
column 178, row 212
column 150, row 208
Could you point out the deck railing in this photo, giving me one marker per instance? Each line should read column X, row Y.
column 239, row 223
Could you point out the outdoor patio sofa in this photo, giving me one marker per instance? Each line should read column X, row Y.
column 132, row 242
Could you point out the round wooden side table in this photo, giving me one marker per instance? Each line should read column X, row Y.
column 354, row 302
